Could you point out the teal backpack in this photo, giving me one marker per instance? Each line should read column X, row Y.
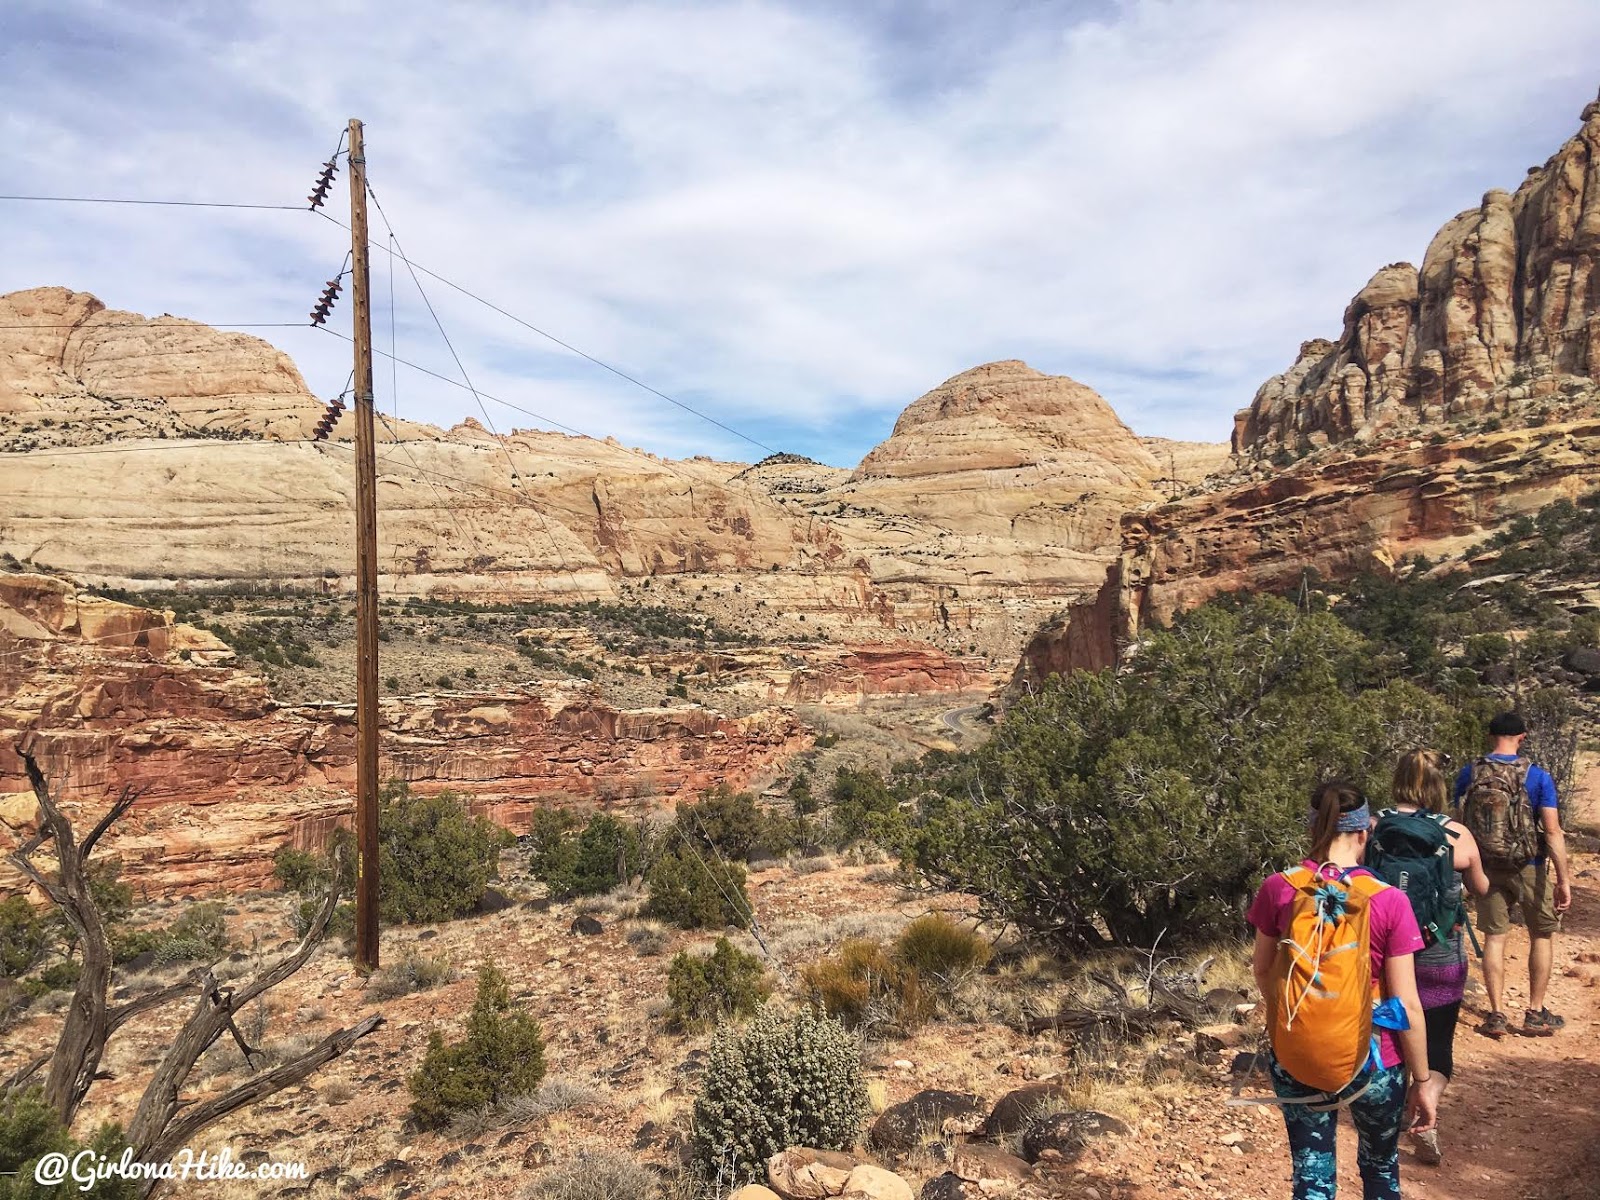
column 1413, row 851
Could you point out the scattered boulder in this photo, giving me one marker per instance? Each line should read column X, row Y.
column 800, row 1173
column 990, row 1167
column 946, row 1187
column 586, row 925
column 1216, row 1038
column 868, row 1182
column 1582, row 660
column 903, row 1127
column 1066, row 1133
column 493, row 900
column 1223, row 1000
column 1013, row 1111
column 754, row 1191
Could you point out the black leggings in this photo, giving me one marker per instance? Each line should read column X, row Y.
column 1441, row 1026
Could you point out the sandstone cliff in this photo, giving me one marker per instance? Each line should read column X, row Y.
column 153, row 452
column 1335, row 517
column 114, row 696
column 1504, row 312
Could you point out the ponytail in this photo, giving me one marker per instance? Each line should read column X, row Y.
column 1334, row 804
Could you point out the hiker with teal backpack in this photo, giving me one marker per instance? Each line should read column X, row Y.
column 1509, row 803
column 1434, row 860
column 1334, row 962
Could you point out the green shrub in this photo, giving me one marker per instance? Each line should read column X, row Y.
column 1124, row 807
column 864, row 809
column 940, row 949
column 501, row 1056
column 693, row 891
column 552, row 848
column 30, row 1129
column 435, row 859
column 863, row 983
column 606, row 853
column 726, row 983
column 26, row 936
column 734, row 826
column 200, row 934
column 777, row 1082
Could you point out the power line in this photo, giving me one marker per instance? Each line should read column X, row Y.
column 156, row 323
column 155, row 203
column 568, row 346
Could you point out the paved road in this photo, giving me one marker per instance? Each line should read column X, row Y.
column 952, row 719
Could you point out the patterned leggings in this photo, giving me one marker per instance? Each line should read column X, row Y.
column 1377, row 1115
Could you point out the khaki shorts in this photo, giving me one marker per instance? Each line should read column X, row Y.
column 1530, row 888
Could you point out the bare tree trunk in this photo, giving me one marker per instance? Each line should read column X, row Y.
column 163, row 1123
column 83, row 1037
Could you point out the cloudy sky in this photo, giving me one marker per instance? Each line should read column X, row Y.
column 795, row 218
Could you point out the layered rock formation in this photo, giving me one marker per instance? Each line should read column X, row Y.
column 112, row 696
column 1334, row 518
column 1505, row 308
column 1002, row 487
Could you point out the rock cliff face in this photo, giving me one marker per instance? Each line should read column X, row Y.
column 1335, row 517
column 147, row 453
column 114, row 696
column 1505, row 309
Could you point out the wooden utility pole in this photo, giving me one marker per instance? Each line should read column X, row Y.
column 366, row 569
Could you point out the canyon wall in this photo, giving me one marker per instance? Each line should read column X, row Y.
column 1505, row 309
column 109, row 696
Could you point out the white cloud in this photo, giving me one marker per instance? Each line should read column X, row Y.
column 797, row 217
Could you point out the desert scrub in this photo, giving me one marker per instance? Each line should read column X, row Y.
column 724, row 984
column 864, row 984
column 647, row 938
column 941, row 950
column 594, row 1175
column 692, row 891
column 413, row 973
column 502, row 1056
column 199, row 934
column 780, row 1081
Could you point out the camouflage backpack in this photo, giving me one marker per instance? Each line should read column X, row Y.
column 1496, row 810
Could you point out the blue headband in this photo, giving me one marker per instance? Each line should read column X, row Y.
column 1353, row 821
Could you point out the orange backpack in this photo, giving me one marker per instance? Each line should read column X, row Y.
column 1319, row 1009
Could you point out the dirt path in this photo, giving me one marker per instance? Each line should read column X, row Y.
column 1521, row 1120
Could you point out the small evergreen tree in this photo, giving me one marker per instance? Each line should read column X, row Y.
column 726, row 983
column 501, row 1056
column 694, row 891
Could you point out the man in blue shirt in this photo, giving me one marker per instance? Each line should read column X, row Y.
column 1540, row 885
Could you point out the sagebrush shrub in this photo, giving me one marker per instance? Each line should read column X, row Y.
column 864, row 983
column 501, row 1056
column 726, row 983
column 595, row 1175
column 698, row 892
column 200, row 934
column 777, row 1082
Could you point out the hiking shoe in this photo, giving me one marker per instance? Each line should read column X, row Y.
column 1543, row 1023
column 1428, row 1151
column 1495, row 1026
